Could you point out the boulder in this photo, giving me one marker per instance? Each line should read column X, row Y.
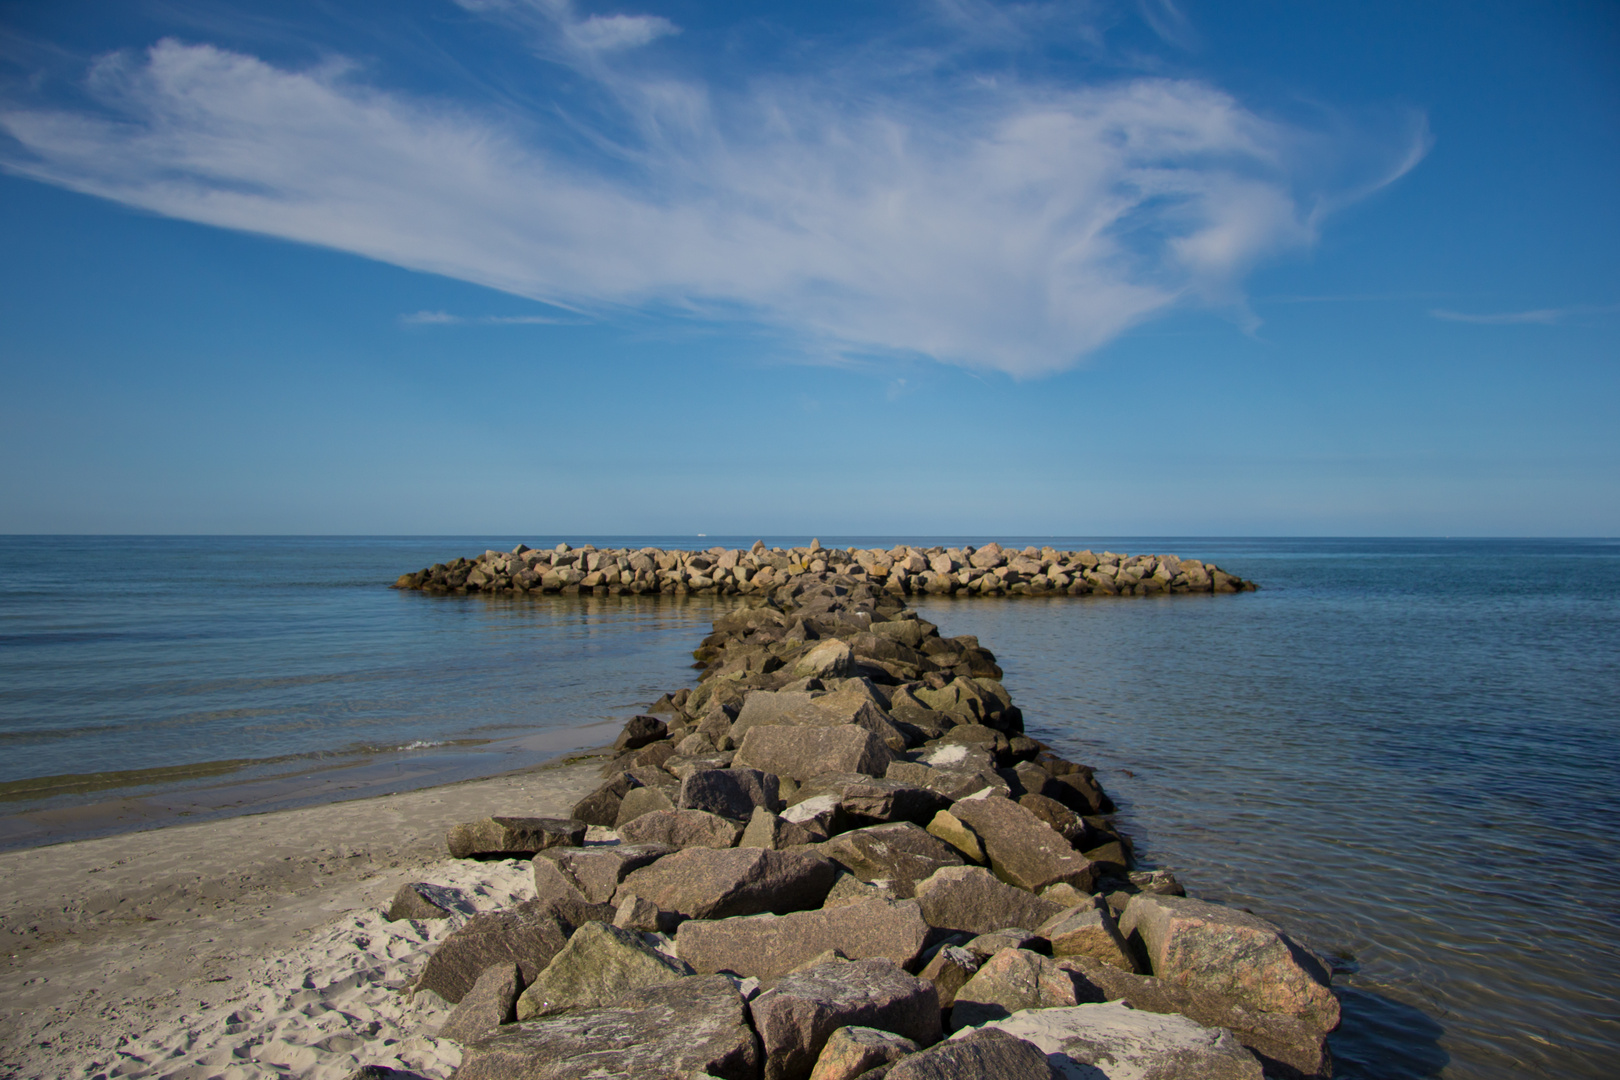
column 972, row 900
column 976, row 1055
column 598, row 966
column 949, row 828
column 828, row 660
column 528, row 935
column 558, row 891
column 601, row 807
column 682, row 829
column 513, row 837
column 638, row 802
column 597, row 871
column 1087, row 930
column 491, row 1002
column 691, row 1027
column 851, row 1051
column 951, row 782
column 730, row 793
column 868, row 800
column 1117, row 1042
column 1014, row 937
column 640, row 731
column 768, row 830
column 797, row 1016
column 644, row 916
column 1011, row 980
column 949, row 970
column 1068, row 824
column 819, row 813
column 1286, row 1046
column 769, row 945
column 706, row 883
column 1023, row 850
column 802, row 752
column 898, row 854
column 420, row 900
column 849, row 889
column 1234, row 954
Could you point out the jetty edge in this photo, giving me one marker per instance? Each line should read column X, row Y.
column 840, row 856
column 989, row 570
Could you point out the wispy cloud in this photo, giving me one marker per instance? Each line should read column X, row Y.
column 1542, row 316
column 1000, row 224
column 444, row 318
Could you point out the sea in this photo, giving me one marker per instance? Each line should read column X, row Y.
column 1404, row 752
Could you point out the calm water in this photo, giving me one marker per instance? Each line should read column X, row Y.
column 1404, row 751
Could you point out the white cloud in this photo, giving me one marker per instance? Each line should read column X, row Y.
column 431, row 318
column 605, row 32
column 1542, row 316
column 1010, row 227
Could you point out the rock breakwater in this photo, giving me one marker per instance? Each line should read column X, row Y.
column 840, row 856
column 990, row 570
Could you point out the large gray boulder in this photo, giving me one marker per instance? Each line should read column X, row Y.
column 1234, row 954
column 1023, row 850
column 601, row 807
column 707, row 883
column 796, row 1016
column 1115, row 1042
column 597, row 871
column 641, row 801
column 558, row 891
column 640, row 731
column 1011, row 980
column 682, row 829
column 730, row 793
column 802, row 752
column 898, row 855
column 598, row 966
column 830, row 659
column 528, row 935
column 972, row 900
column 513, row 837
column 771, row 945
column 491, row 1002
column 1285, row 1045
column 851, row 1051
column 422, row 900
column 949, row 970
column 868, row 800
column 976, row 1055
column 768, row 830
column 687, row 1028
column 1087, row 930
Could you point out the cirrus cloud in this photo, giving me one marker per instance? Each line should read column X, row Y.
column 999, row 224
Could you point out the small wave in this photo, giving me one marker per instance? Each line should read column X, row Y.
column 423, row 744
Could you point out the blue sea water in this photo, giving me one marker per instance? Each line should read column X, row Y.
column 1404, row 751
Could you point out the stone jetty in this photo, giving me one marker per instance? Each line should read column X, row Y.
column 991, row 570
column 839, row 856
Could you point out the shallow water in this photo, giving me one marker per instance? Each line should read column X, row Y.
column 1404, row 751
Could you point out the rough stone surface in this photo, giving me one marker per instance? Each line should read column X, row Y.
column 1023, row 850
column 557, row 890
column 682, row 829
column 849, row 889
column 768, row 830
column 795, row 1017
column 867, row 800
column 598, row 966
column 640, row 731
column 491, row 1002
column 1114, row 1042
column 513, row 837
column 529, row 935
column 1221, row 950
column 705, row 883
column 420, row 900
column 1286, row 1046
column 898, row 855
column 597, row 870
column 971, row 899
column 976, row 1055
column 851, row 1051
column 987, row 945
column 949, row 970
column 601, row 807
column 769, row 945
column 1087, row 930
column 1011, row 980
column 949, row 828
column 641, row 801
column 802, row 752
column 828, row 660
column 691, row 1027
column 730, row 793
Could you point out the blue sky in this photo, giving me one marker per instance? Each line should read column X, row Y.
column 516, row 266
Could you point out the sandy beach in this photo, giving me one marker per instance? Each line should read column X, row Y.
column 253, row 946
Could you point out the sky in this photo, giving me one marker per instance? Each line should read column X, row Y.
column 1153, row 267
